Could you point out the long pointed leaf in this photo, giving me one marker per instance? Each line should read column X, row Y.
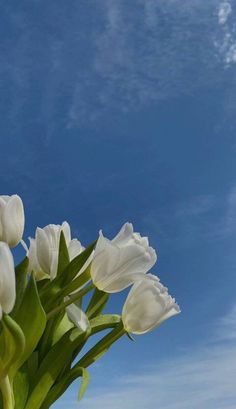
column 31, row 318
column 21, row 283
column 63, row 257
column 61, row 386
column 52, row 365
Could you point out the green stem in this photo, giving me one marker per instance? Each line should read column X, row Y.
column 60, row 386
column 74, row 297
column 101, row 347
column 7, row 394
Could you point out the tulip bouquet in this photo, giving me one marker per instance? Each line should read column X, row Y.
column 52, row 303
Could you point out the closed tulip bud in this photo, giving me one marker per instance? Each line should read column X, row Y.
column 44, row 249
column 12, row 219
column 147, row 306
column 7, row 280
column 120, row 262
column 78, row 317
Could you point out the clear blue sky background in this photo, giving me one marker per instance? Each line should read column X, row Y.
column 124, row 110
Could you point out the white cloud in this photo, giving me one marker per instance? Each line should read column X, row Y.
column 147, row 51
column 231, row 54
column 225, row 10
column 227, row 327
column 125, row 56
column 226, row 42
column 207, row 217
column 202, row 377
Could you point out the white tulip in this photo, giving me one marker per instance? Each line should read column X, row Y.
column 147, row 306
column 44, row 249
column 12, row 219
column 120, row 262
column 34, row 265
column 7, row 280
column 78, row 317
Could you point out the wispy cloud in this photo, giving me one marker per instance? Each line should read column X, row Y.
column 226, row 44
column 125, row 56
column 201, row 377
column 148, row 51
column 227, row 327
column 206, row 217
column 197, row 206
column 225, row 10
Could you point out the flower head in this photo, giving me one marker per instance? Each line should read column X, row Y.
column 7, row 280
column 120, row 262
column 44, row 249
column 147, row 306
column 12, row 219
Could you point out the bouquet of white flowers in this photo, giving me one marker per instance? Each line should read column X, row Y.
column 45, row 319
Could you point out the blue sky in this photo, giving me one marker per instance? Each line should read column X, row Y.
column 115, row 111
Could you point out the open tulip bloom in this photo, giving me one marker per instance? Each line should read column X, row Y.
column 46, row 319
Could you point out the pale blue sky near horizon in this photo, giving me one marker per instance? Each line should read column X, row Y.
column 124, row 110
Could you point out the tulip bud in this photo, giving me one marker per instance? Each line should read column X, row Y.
column 44, row 249
column 7, row 280
column 147, row 306
column 78, row 317
column 12, row 219
column 120, row 262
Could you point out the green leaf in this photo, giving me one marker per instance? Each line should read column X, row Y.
column 21, row 283
column 63, row 258
column 102, row 322
column 99, row 324
column 61, row 328
column 66, row 283
column 97, row 303
column 12, row 344
column 61, row 386
column 56, row 327
column 84, row 383
column 76, row 264
column 102, row 346
column 77, row 283
column 21, row 387
column 42, row 284
column 32, row 364
column 52, row 365
column 32, row 319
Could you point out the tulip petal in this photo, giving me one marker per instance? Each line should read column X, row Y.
column 115, row 269
column 13, row 220
column 54, row 264
column 74, row 248
column 124, row 235
column 66, row 230
column 122, row 261
column 47, row 242
column 104, row 261
column 43, row 250
column 78, row 317
column 7, row 279
column 147, row 306
column 121, row 283
column 34, row 266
